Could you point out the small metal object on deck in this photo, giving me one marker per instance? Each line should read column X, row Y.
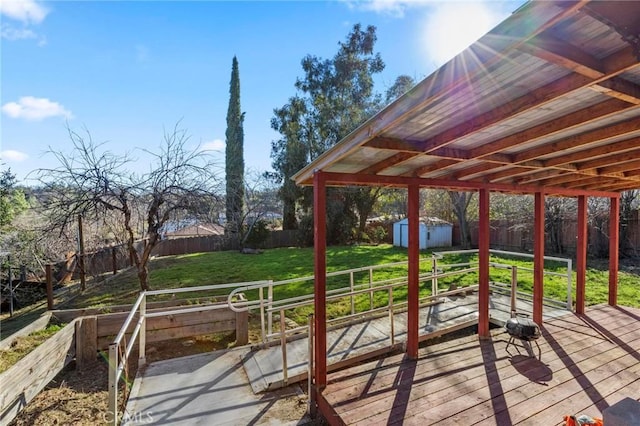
column 524, row 329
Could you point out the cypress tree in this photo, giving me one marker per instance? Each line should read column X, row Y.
column 234, row 155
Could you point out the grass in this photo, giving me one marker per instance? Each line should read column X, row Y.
column 24, row 345
column 289, row 263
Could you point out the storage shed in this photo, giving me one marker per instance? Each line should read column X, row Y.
column 434, row 232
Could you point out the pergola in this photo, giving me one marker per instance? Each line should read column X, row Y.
column 547, row 104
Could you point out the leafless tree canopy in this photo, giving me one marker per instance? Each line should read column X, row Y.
column 98, row 184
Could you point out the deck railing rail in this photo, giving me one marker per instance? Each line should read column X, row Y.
column 351, row 290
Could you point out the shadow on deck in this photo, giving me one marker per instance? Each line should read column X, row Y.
column 227, row 387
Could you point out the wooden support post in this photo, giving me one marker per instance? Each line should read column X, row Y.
column 114, row 260
column 581, row 255
column 49, row 273
column 83, row 278
column 614, row 238
column 413, row 296
column 242, row 328
column 320, row 272
column 538, row 257
column 483, row 263
column 86, row 342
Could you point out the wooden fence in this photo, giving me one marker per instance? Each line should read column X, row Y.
column 115, row 258
column 560, row 237
column 24, row 380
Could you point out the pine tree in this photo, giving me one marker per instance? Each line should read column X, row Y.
column 234, row 155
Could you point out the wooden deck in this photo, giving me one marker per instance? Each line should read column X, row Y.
column 587, row 363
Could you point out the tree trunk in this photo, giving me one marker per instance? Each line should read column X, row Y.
column 289, row 215
column 460, row 202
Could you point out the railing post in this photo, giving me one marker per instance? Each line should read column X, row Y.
column 113, row 383
column 434, row 273
column 351, row 284
column 393, row 337
column 312, row 396
column 371, row 288
column 569, row 285
column 142, row 336
column 283, row 343
column 49, row 273
column 514, row 289
column 269, row 305
column 262, row 330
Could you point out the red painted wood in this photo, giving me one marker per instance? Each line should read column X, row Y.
column 538, row 257
column 614, row 225
column 483, row 263
column 402, row 181
column 581, row 255
column 414, row 271
column 320, row 271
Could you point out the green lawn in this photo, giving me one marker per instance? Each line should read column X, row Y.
column 287, row 263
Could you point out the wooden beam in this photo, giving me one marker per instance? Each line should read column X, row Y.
column 581, row 255
column 558, row 124
column 538, row 257
column 614, row 159
column 413, row 292
column 538, row 175
column 619, row 89
column 573, row 142
column 568, row 56
column 483, row 263
column 320, row 272
column 388, row 162
column 509, row 172
column 395, row 144
column 595, row 152
column 580, row 183
column 346, row 179
column 622, row 166
column 475, row 169
column 614, row 235
column 438, row 165
column 534, row 99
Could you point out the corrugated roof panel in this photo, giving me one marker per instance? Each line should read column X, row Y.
column 603, row 41
column 552, row 110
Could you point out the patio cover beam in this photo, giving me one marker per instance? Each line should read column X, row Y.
column 581, row 255
column 614, row 229
column 483, row 263
column 538, row 257
column 320, row 272
column 413, row 309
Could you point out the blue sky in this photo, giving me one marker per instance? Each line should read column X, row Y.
column 126, row 70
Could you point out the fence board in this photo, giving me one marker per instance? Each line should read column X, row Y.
column 24, row 380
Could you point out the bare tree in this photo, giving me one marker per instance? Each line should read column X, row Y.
column 93, row 182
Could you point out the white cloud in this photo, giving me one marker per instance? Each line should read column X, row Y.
column 214, row 145
column 394, row 8
column 14, row 156
column 26, row 11
column 31, row 108
column 11, row 33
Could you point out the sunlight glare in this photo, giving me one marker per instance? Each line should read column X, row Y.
column 452, row 26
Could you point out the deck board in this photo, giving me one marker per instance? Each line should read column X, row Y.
column 587, row 363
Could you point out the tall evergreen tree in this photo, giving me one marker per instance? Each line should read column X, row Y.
column 334, row 97
column 234, row 155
